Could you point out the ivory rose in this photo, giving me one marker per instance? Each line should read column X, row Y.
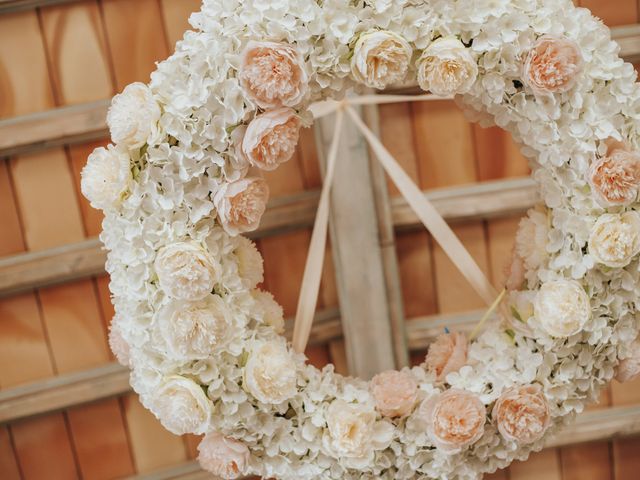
column 270, row 372
column 268, row 311
column 615, row 239
column 629, row 368
column 271, row 138
column 106, row 178
column 250, row 264
column 615, row 178
column 561, row 308
column 133, row 116
column 273, row 74
column 240, row 204
column 186, row 271
column 552, row 65
column 380, row 58
column 522, row 414
column 532, row 238
column 181, row 406
column 448, row 353
column 191, row 330
column 394, row 392
column 223, row 456
column 447, row 67
column 353, row 434
column 455, row 419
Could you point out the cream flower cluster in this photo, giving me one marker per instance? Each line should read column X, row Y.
column 182, row 181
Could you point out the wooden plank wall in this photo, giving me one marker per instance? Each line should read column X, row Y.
column 87, row 51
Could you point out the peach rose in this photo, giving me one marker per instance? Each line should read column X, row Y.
column 552, row 65
column 223, row 456
column 380, row 58
column 629, row 368
column 455, row 419
column 615, row 178
column 394, row 392
column 271, row 138
column 522, row 414
column 240, row 204
column 273, row 74
column 447, row 354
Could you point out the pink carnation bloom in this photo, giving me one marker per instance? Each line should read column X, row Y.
column 447, row 354
column 223, row 456
column 241, row 204
column 273, row 74
column 615, row 178
column 522, row 414
column 271, row 138
column 394, row 392
column 552, row 65
column 455, row 419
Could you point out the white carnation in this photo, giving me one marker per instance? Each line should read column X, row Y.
column 106, row 178
column 447, row 68
column 268, row 311
column 380, row 58
column 615, row 239
column 250, row 264
column 532, row 238
column 191, row 330
column 186, row 271
column 270, row 372
column 561, row 308
column 133, row 116
column 181, row 406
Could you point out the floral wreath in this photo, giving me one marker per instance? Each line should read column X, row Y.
column 177, row 187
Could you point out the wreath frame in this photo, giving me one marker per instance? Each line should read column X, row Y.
column 177, row 165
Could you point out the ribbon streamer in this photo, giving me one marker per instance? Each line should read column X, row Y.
column 315, row 258
column 424, row 209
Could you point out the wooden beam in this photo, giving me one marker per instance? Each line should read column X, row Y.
column 357, row 256
column 70, row 262
column 78, row 260
column 11, row 6
column 59, row 126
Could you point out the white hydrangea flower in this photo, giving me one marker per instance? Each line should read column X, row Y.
column 133, row 116
column 106, row 178
column 268, row 311
column 532, row 238
column 250, row 264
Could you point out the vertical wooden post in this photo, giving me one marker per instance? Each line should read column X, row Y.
column 357, row 255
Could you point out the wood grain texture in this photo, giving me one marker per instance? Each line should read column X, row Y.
column 136, row 38
column 176, row 15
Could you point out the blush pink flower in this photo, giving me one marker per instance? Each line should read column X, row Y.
column 552, row 65
column 522, row 414
column 629, row 368
column 455, row 419
column 240, row 204
column 273, row 74
column 447, row 354
column 615, row 178
column 271, row 138
column 394, row 392
column 223, row 456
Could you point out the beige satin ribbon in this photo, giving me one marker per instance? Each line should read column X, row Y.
column 424, row 209
column 315, row 258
